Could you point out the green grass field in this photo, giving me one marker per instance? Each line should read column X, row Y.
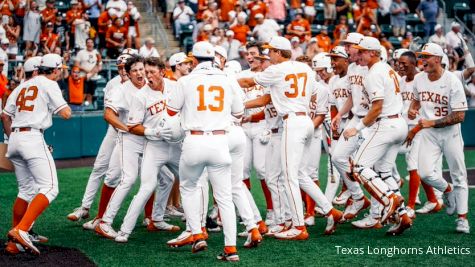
column 149, row 249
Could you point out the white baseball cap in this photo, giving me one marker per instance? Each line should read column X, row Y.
column 437, row 27
column 259, row 16
column 179, row 58
column 221, row 51
column 130, row 51
column 32, row 64
column 398, row 52
column 432, row 49
column 122, row 59
column 321, row 60
column 313, row 40
column 353, row 38
column 295, row 39
column 368, row 43
column 454, row 24
column 229, row 33
column 278, row 42
column 384, row 54
column 445, row 61
column 5, row 41
column 54, row 61
column 203, row 49
column 208, row 27
column 232, row 67
column 338, row 51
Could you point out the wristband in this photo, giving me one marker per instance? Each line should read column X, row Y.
column 360, row 126
column 148, row 132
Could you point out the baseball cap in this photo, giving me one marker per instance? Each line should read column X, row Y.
column 32, row 64
column 398, row 52
column 5, row 41
column 259, row 16
column 294, row 39
column 203, row 49
column 264, row 55
column 454, row 24
column 130, row 51
column 73, row 2
column 353, row 38
column 122, row 59
column 369, row 43
column 53, row 61
column 313, row 40
column 179, row 58
column 437, row 27
column 232, row 67
column 278, row 42
column 338, row 51
column 208, row 27
column 384, row 54
column 229, row 33
column 221, row 51
column 321, row 60
column 445, row 61
column 432, row 49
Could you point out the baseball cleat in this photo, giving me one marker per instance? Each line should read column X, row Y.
column 389, row 209
column 171, row 211
column 23, row 238
column 333, row 217
column 462, row 226
column 228, row 256
column 254, row 238
column 213, row 214
column 319, row 212
column 342, row 198
column 269, row 217
column 14, row 248
column 275, row 229
column 122, row 237
column 155, row 226
column 404, row 223
column 205, row 233
column 355, row 207
column 185, row 238
column 78, row 214
column 199, row 245
column 106, row 230
column 429, row 207
column 146, row 222
column 449, row 199
column 368, row 222
column 36, row 238
column 411, row 213
column 309, row 220
column 91, row 225
column 243, row 234
column 262, row 226
column 418, row 200
column 292, row 234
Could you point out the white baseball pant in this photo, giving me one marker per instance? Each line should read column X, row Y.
column 334, row 180
column 165, row 185
column 156, row 154
column 130, row 151
column 101, row 164
column 210, row 151
column 447, row 141
column 298, row 131
column 255, row 151
column 34, row 165
column 114, row 171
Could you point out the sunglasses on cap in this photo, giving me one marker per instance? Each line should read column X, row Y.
column 424, row 56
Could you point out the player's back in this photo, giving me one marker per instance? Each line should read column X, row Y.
column 383, row 83
column 33, row 102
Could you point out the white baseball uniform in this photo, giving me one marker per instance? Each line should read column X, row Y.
column 147, row 108
column 101, row 164
column 291, row 87
column 129, row 146
column 438, row 99
column 206, row 99
column 31, row 106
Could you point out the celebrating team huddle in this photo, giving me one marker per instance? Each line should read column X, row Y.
column 213, row 123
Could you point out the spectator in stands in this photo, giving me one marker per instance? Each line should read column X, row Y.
column 180, row 64
column 309, row 10
column 32, row 25
column 323, row 40
column 89, row 61
column 168, row 14
column 384, row 42
column 116, row 38
column 76, row 89
column 456, row 43
column 133, row 37
column 148, row 49
column 202, row 6
column 224, row 9
column 12, row 33
column 312, row 48
column 234, row 14
column 329, row 12
column 340, row 31
column 94, row 8
column 343, row 8
column 428, row 11
column 212, row 13
column 49, row 13
column 6, row 9
column 407, row 41
column 296, row 49
column 103, row 23
column 299, row 27
column 242, row 57
column 83, row 27
column 3, row 74
column 255, row 7
column 205, row 33
column 471, row 92
column 265, row 28
column 119, row 5
column 20, row 10
column 50, row 39
column 217, row 38
column 295, row 5
column 4, row 56
column 71, row 15
column 61, row 29
column 231, row 45
column 365, row 17
column 277, row 10
column 182, row 15
column 398, row 12
column 241, row 30
column 438, row 37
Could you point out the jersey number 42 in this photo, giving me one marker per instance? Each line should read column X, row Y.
column 25, row 95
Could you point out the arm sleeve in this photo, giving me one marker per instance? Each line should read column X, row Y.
column 114, row 100
column 375, row 87
column 57, row 101
column 457, row 100
column 137, row 111
column 269, row 77
column 176, row 98
column 10, row 106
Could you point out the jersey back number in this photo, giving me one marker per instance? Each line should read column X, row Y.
column 218, row 103
column 295, row 78
column 25, row 96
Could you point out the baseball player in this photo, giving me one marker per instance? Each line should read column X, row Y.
column 101, row 164
column 344, row 148
column 440, row 101
column 255, row 149
column 291, row 86
column 146, row 110
column 129, row 146
column 206, row 101
column 27, row 114
column 386, row 130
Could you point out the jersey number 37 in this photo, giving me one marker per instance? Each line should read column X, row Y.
column 26, row 95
